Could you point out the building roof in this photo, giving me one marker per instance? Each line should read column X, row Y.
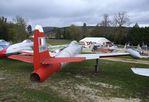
column 95, row 39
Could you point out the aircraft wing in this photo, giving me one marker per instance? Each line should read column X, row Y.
column 26, row 52
column 141, row 71
column 97, row 56
column 30, row 53
column 63, row 60
column 28, row 59
column 136, row 54
column 77, row 58
column 89, row 56
column 113, row 54
column 57, row 46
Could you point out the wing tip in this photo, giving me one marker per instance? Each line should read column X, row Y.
column 141, row 71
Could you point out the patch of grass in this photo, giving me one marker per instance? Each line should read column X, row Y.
column 14, row 66
column 129, row 57
column 15, row 87
column 57, row 41
column 113, row 73
column 124, row 57
column 21, row 94
column 40, row 96
column 120, row 74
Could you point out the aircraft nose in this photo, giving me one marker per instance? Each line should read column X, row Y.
column 3, row 53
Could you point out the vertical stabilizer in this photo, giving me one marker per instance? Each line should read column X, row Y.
column 41, row 71
column 40, row 48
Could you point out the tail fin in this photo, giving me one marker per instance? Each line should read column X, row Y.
column 40, row 48
column 44, row 65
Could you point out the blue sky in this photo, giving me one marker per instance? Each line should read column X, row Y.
column 66, row 12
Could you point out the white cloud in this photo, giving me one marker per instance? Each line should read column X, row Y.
column 66, row 12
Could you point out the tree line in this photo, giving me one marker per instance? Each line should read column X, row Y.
column 116, row 30
column 133, row 35
column 13, row 31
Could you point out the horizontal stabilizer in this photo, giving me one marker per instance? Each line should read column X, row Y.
column 89, row 56
column 141, row 71
column 28, row 59
column 63, row 60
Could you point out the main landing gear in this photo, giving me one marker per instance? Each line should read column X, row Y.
column 97, row 68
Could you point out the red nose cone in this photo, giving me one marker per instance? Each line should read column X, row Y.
column 3, row 53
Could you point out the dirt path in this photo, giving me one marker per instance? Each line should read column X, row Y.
column 78, row 92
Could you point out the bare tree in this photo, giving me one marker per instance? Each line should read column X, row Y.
column 20, row 32
column 121, row 19
column 105, row 22
column 20, row 21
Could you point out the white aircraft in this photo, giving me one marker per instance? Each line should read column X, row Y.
column 135, row 54
column 4, row 44
column 16, row 48
column 141, row 71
